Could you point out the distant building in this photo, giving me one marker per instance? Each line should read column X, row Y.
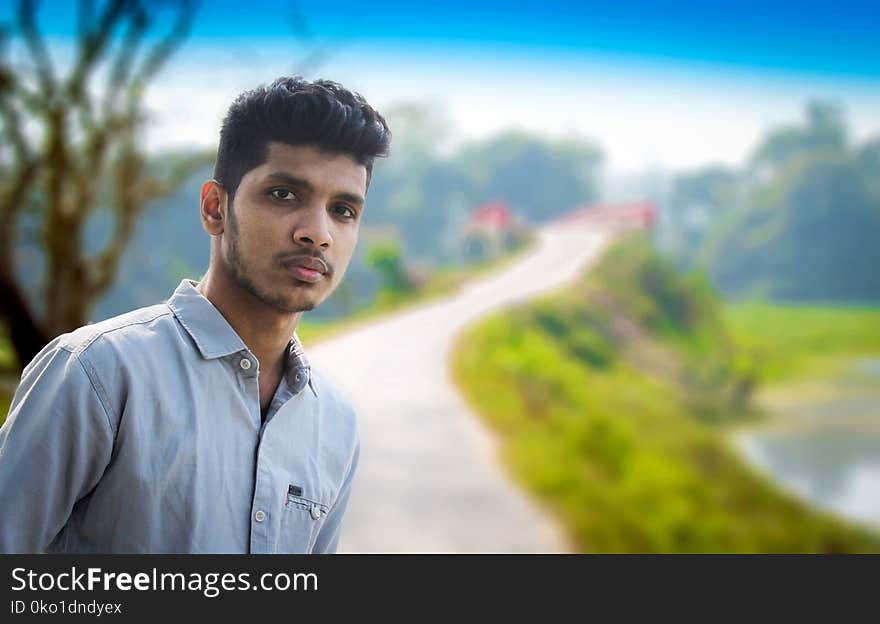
column 490, row 218
column 491, row 230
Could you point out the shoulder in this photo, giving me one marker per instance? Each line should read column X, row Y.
column 80, row 363
column 111, row 357
column 106, row 349
column 132, row 326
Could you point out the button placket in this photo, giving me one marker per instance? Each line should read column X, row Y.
column 247, row 374
column 261, row 527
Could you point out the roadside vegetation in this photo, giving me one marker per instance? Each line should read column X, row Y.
column 611, row 399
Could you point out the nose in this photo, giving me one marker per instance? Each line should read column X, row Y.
column 313, row 230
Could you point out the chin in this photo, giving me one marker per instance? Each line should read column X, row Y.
column 286, row 302
column 301, row 304
column 300, row 298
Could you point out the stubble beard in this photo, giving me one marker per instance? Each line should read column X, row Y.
column 238, row 271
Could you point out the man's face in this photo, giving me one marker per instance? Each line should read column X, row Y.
column 293, row 226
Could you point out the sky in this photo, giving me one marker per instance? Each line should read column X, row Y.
column 656, row 84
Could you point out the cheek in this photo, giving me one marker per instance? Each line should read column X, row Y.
column 345, row 250
column 262, row 235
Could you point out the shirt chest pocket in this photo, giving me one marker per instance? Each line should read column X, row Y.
column 301, row 521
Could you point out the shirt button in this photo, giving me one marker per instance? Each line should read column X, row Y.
column 245, row 363
column 316, row 512
column 260, row 516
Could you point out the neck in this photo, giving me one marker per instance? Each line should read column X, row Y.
column 265, row 330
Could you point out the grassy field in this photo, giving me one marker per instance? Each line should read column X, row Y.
column 611, row 401
column 793, row 341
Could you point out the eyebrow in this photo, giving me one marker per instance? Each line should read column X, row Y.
column 286, row 178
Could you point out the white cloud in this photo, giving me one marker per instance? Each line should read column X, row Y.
column 642, row 114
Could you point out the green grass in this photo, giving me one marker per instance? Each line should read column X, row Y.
column 791, row 341
column 606, row 421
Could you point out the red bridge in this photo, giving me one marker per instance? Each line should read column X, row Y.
column 633, row 214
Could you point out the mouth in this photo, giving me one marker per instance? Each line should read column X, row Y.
column 306, row 269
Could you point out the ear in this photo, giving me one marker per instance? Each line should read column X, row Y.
column 213, row 207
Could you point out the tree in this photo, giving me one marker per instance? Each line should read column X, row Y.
column 541, row 179
column 387, row 259
column 808, row 230
column 71, row 149
column 824, row 130
column 696, row 200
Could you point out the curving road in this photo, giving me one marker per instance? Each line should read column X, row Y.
column 428, row 480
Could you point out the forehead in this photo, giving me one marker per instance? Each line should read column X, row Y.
column 325, row 171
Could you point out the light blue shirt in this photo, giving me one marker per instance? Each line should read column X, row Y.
column 142, row 434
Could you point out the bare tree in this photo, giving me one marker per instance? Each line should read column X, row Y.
column 69, row 150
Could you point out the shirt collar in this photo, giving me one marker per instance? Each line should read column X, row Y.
column 298, row 363
column 215, row 337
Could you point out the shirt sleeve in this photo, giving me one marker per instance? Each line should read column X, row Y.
column 328, row 538
column 54, row 447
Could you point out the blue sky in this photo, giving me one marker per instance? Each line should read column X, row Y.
column 674, row 83
column 835, row 38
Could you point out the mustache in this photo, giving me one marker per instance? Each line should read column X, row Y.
column 285, row 257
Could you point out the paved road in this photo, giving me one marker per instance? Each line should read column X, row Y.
column 429, row 480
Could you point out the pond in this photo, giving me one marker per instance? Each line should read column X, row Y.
column 822, row 441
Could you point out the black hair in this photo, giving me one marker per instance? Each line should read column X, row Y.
column 292, row 110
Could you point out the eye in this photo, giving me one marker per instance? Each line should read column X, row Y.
column 345, row 211
column 283, row 194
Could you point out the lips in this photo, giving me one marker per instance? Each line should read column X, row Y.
column 307, row 268
column 308, row 262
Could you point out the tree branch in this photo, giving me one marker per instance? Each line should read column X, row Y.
column 14, row 197
column 134, row 193
column 12, row 131
column 84, row 11
column 37, row 47
column 161, row 52
column 91, row 46
column 122, row 64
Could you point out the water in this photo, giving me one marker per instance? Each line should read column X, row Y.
column 823, row 442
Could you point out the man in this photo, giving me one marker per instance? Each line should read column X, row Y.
column 197, row 425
